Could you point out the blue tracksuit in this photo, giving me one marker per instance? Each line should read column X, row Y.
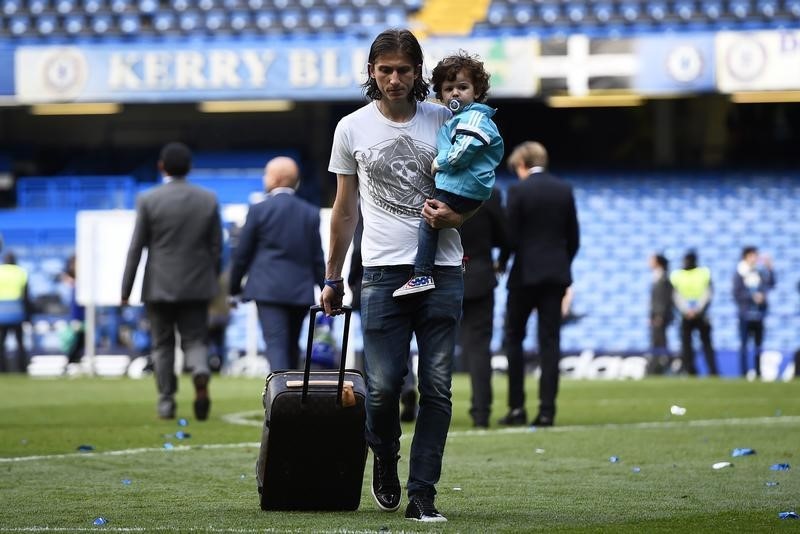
column 469, row 149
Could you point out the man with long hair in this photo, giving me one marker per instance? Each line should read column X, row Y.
column 382, row 155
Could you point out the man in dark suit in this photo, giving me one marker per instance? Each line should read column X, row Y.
column 180, row 226
column 661, row 312
column 544, row 237
column 280, row 250
column 479, row 235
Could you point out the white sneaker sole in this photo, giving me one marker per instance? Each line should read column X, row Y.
column 440, row 519
column 411, row 290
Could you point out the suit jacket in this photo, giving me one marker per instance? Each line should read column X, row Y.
column 280, row 250
column 543, row 231
column 661, row 304
column 180, row 226
column 479, row 235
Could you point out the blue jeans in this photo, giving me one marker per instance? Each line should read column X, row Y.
column 428, row 236
column 388, row 325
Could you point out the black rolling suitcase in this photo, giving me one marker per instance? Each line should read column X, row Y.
column 313, row 448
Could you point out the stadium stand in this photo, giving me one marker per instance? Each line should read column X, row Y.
column 69, row 19
column 624, row 218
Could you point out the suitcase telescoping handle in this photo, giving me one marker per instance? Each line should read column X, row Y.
column 313, row 311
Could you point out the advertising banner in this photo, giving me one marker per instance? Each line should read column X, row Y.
column 257, row 69
column 758, row 61
column 674, row 64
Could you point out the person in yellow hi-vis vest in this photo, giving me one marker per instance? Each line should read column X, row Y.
column 14, row 308
column 692, row 296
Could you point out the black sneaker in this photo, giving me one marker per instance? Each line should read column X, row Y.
column 385, row 483
column 542, row 420
column 516, row 417
column 422, row 509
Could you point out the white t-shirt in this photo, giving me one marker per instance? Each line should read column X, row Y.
column 393, row 163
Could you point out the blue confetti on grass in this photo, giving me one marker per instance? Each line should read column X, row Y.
column 742, row 452
column 788, row 515
column 780, row 467
column 100, row 521
column 85, row 448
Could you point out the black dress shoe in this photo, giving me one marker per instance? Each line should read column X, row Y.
column 202, row 402
column 542, row 420
column 516, row 417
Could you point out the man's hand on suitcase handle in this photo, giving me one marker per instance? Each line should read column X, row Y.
column 331, row 297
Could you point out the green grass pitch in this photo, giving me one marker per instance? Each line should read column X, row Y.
column 556, row 480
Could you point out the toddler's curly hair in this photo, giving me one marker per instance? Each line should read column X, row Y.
column 449, row 67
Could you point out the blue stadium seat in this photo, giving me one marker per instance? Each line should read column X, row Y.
column 550, row 13
column 121, row 6
column 630, row 11
column 64, row 7
column 498, row 14
column 767, row 8
column 19, row 25
column 740, row 8
column 317, row 18
column 101, row 23
column 164, row 21
column 240, row 20
column 92, row 6
column 180, row 5
column 11, row 7
column 369, row 17
column 523, row 14
column 129, row 23
column 395, row 17
column 74, row 24
column 657, row 10
column 266, row 21
column 603, row 12
column 343, row 17
column 148, row 7
column 188, row 21
column 216, row 20
column 46, row 24
column 291, row 19
column 37, row 7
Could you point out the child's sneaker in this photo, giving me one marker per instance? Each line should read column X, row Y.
column 417, row 284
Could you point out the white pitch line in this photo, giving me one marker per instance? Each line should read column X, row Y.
column 126, row 452
column 241, row 418
column 106, row 528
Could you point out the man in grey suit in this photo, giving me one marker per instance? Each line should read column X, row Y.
column 280, row 250
column 180, row 226
column 544, row 237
